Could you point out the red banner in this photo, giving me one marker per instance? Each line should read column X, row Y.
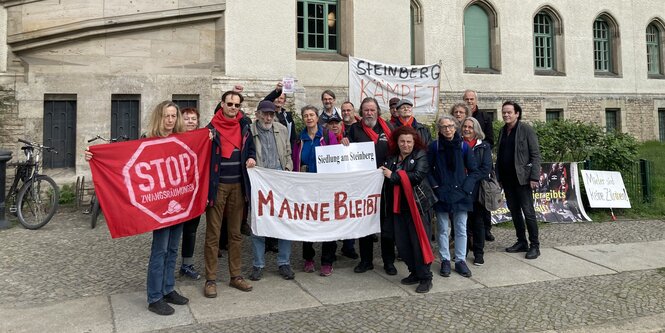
column 149, row 184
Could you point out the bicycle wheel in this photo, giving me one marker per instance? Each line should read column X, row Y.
column 37, row 201
column 95, row 209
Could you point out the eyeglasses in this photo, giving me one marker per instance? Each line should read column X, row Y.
column 229, row 104
column 446, row 127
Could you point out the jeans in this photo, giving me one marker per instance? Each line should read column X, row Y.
column 259, row 248
column 161, row 267
column 443, row 223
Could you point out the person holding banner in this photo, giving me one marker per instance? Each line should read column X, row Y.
column 473, row 135
column 165, row 120
column 283, row 116
column 232, row 153
column 373, row 128
column 273, row 151
column 406, row 168
column 304, row 160
column 454, row 174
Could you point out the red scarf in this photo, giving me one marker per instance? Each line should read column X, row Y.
column 423, row 238
column 472, row 143
column 373, row 135
column 408, row 122
column 229, row 132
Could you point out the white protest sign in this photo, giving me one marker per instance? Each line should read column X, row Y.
column 341, row 158
column 314, row 207
column 605, row 189
column 420, row 84
column 288, row 85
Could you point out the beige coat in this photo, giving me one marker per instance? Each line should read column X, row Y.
column 283, row 145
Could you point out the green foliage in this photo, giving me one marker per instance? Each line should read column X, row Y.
column 67, row 194
column 614, row 151
column 566, row 140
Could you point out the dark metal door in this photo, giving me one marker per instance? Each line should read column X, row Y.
column 60, row 133
column 125, row 112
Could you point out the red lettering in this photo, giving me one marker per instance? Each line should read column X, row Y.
column 312, row 211
column 358, row 207
column 434, row 94
column 393, row 89
column 298, row 211
column 363, row 94
column 375, row 201
column 378, row 87
column 340, row 207
column 408, row 90
column 415, row 95
column 325, row 211
column 369, row 207
column 263, row 200
column 285, row 208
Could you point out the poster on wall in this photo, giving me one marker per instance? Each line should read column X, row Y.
column 420, row 84
column 556, row 199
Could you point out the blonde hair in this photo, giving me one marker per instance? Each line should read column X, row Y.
column 155, row 127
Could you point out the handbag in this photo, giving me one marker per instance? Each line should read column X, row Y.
column 425, row 197
column 490, row 193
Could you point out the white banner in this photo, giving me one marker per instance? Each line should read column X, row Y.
column 341, row 158
column 315, row 207
column 420, row 84
column 605, row 189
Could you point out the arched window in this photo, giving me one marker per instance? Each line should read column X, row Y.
column 543, row 41
column 654, row 41
column 481, row 42
column 606, row 44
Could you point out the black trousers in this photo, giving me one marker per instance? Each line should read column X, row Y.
column 520, row 201
column 328, row 250
column 475, row 228
column 367, row 249
column 189, row 237
column 408, row 244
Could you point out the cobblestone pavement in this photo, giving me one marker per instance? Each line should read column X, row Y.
column 68, row 260
column 554, row 305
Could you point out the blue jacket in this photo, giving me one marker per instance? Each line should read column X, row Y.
column 454, row 188
column 482, row 151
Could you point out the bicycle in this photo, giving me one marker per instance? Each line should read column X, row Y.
column 95, row 208
column 37, row 199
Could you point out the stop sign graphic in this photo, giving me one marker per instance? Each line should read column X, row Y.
column 162, row 187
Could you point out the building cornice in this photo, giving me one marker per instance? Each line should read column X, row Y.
column 112, row 24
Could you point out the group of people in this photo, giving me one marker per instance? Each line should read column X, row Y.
column 426, row 178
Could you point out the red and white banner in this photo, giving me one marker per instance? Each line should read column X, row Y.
column 315, row 207
column 149, row 184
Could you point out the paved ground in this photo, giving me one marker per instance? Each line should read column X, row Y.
column 591, row 277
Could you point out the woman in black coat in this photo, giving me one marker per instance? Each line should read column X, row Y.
column 406, row 168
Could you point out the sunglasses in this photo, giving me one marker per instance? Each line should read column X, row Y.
column 237, row 106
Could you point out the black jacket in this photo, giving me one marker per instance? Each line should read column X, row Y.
column 357, row 134
column 486, row 124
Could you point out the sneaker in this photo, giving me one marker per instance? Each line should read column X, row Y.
column 309, row 266
column 352, row 254
column 210, row 289
column 286, row 272
column 478, row 260
column 517, row 247
column 390, row 269
column 445, row 268
column 533, row 253
column 424, row 286
column 489, row 237
column 326, row 270
column 462, row 269
column 161, row 308
column 175, row 298
column 256, row 274
column 239, row 283
column 190, row 272
column 410, row 280
column 363, row 267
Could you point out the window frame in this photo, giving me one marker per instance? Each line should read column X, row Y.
column 557, row 42
column 494, row 39
column 326, row 29
column 612, row 40
column 554, row 111
column 616, row 120
column 658, row 45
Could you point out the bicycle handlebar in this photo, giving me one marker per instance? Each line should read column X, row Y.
column 38, row 146
column 120, row 138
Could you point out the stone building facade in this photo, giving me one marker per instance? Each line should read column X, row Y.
column 80, row 66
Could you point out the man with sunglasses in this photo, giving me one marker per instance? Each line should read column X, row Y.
column 232, row 153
